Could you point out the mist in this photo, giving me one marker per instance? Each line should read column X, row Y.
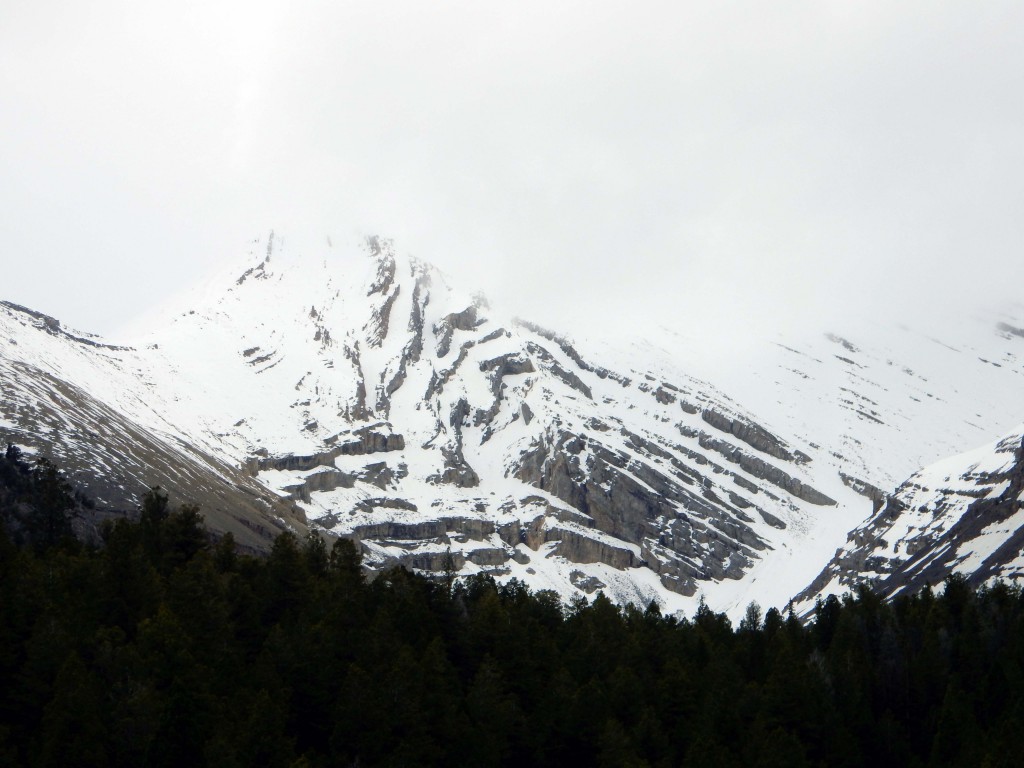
column 714, row 166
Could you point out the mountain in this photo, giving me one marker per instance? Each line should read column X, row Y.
column 881, row 400
column 90, row 406
column 962, row 515
column 355, row 391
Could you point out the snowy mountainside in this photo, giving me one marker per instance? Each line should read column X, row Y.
column 353, row 390
column 963, row 515
column 90, row 406
column 880, row 401
column 361, row 387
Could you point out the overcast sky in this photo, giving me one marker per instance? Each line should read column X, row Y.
column 683, row 161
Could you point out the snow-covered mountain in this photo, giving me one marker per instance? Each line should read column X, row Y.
column 94, row 408
column 882, row 401
column 354, row 390
column 961, row 515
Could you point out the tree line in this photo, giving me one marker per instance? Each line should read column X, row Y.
column 160, row 646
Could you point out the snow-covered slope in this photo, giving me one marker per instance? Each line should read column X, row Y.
column 386, row 405
column 94, row 408
column 881, row 401
column 356, row 391
column 961, row 515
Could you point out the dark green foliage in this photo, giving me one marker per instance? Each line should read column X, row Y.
column 162, row 648
column 37, row 504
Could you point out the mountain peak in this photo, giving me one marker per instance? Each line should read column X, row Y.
column 354, row 391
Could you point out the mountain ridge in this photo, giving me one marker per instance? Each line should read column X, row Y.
column 354, row 391
column 959, row 516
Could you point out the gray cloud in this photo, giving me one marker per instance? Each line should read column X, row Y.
column 581, row 162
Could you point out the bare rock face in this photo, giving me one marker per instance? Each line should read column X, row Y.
column 498, row 369
column 383, row 475
column 564, row 375
column 456, row 470
column 506, row 365
column 369, row 441
column 577, row 547
column 762, row 469
column 319, row 482
column 359, row 443
column 466, row 320
column 431, row 529
column 380, row 321
column 752, row 434
column 585, row 583
column 633, row 501
column 469, row 528
column 488, row 556
column 879, row 498
column 357, row 410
